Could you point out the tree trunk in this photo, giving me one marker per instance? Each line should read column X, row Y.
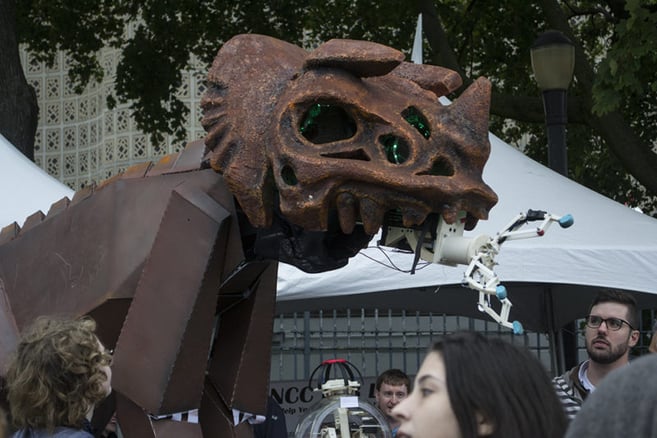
column 18, row 103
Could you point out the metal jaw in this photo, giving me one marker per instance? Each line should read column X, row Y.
column 478, row 253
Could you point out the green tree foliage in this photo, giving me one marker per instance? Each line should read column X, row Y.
column 611, row 107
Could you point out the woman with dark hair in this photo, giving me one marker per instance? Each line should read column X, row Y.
column 59, row 372
column 473, row 386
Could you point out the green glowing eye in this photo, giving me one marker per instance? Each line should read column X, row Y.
column 396, row 149
column 311, row 117
column 417, row 120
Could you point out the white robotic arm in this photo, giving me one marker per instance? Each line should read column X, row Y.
column 450, row 247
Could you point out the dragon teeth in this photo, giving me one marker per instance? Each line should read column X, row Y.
column 371, row 214
column 411, row 216
column 346, row 205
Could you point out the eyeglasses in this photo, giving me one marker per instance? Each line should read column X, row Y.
column 614, row 324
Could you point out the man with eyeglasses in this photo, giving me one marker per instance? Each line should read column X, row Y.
column 610, row 333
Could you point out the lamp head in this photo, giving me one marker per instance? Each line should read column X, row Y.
column 553, row 60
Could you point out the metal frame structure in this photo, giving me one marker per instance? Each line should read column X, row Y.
column 375, row 340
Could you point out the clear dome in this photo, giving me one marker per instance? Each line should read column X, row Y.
column 343, row 416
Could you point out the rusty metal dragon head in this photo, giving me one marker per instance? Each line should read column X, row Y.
column 333, row 139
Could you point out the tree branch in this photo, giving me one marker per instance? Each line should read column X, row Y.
column 437, row 38
column 634, row 154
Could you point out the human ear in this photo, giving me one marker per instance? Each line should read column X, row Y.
column 634, row 338
column 485, row 427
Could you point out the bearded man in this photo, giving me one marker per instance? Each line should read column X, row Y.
column 611, row 331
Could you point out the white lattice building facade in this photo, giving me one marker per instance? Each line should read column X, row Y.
column 79, row 140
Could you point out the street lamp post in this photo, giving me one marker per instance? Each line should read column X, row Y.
column 553, row 63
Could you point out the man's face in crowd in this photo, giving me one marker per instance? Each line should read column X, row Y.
column 605, row 345
column 389, row 396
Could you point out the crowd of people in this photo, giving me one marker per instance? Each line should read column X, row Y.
column 473, row 386
column 469, row 385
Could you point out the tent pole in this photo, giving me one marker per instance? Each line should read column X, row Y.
column 561, row 353
column 555, row 336
column 306, row 344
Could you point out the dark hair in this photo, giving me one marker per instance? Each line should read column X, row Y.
column 503, row 383
column 3, row 424
column 394, row 377
column 620, row 297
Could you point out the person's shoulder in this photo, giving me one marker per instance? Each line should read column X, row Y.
column 72, row 433
column 66, row 432
column 60, row 432
column 561, row 386
column 563, row 379
column 565, row 389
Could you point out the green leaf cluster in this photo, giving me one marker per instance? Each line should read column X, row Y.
column 629, row 66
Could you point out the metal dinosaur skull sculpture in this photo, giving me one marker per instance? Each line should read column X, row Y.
column 348, row 130
column 316, row 148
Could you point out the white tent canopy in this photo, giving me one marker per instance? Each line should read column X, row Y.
column 609, row 245
column 24, row 187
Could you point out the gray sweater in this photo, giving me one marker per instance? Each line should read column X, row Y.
column 623, row 405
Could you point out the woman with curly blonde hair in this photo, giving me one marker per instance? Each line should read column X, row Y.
column 59, row 372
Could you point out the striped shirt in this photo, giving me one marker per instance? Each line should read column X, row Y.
column 568, row 396
column 570, row 390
